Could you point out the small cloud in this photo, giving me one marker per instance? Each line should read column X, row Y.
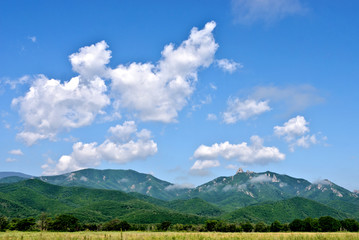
column 179, row 186
column 211, row 117
column 212, row 86
column 228, row 65
column 11, row 160
column 32, row 38
column 17, row 152
column 203, row 164
column 242, row 110
column 268, row 11
column 260, row 179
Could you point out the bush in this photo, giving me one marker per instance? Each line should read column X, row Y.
column 26, row 224
column 116, row 225
column 261, row 227
column 297, row 225
column 4, row 224
column 65, row 223
column 350, row 225
column 247, row 227
column 328, row 224
column 276, row 226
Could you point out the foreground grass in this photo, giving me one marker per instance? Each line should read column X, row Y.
column 177, row 236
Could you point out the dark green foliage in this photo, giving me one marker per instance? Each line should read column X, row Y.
column 26, row 224
column 116, row 225
column 261, row 227
column 247, row 227
column 350, row 225
column 32, row 197
column 283, row 211
column 297, row 225
column 210, row 225
column 276, row 226
column 328, row 224
column 65, row 223
column 310, row 225
column 164, row 226
column 4, row 223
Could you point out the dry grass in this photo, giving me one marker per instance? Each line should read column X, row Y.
column 177, row 236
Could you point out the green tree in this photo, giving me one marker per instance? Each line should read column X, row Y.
column 261, row 227
column 297, row 225
column 247, row 227
column 65, row 223
column 164, row 226
column 116, row 225
column 44, row 222
column 4, row 223
column 276, row 226
column 26, row 224
column 350, row 225
column 210, row 225
column 328, row 224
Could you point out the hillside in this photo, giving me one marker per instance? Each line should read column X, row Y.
column 31, row 197
column 284, row 211
column 123, row 180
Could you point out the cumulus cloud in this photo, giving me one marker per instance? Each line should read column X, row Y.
column 17, row 152
column 203, row 164
column 137, row 145
column 211, row 117
column 50, row 106
column 267, row 11
column 244, row 153
column 179, row 186
column 260, row 179
column 156, row 92
column 228, row 65
column 294, row 98
column 293, row 128
column 242, row 110
column 295, row 132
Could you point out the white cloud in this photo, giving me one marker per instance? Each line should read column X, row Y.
column 244, row 153
column 179, row 186
column 228, row 65
column 157, row 92
column 268, row 11
column 260, row 179
column 231, row 166
column 294, row 98
column 51, row 106
column 211, row 117
column 293, row 128
column 118, row 150
column 295, row 132
column 242, row 110
column 203, row 164
column 10, row 160
column 32, row 38
column 13, row 83
column 91, row 60
column 17, row 152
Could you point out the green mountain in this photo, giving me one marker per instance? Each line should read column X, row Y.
column 284, row 211
column 248, row 188
column 32, row 197
column 14, row 174
column 123, row 180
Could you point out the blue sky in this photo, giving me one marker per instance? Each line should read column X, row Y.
column 185, row 90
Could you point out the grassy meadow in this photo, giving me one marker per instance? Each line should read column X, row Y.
column 177, row 235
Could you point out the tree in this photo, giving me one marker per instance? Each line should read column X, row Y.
column 116, row 225
column 261, row 227
column 4, row 223
column 65, row 223
column 44, row 221
column 210, row 225
column 25, row 224
column 276, row 226
column 297, row 225
column 350, row 225
column 247, row 227
column 310, row 225
column 328, row 224
column 164, row 225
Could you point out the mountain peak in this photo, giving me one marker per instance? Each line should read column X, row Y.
column 240, row 170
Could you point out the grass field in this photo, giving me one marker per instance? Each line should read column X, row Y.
column 177, row 235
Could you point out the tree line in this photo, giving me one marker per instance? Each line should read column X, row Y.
column 69, row 223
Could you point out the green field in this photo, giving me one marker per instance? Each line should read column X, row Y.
column 177, row 235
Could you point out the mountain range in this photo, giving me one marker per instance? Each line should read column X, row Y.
column 99, row 195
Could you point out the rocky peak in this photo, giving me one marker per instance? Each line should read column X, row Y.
column 240, row 170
